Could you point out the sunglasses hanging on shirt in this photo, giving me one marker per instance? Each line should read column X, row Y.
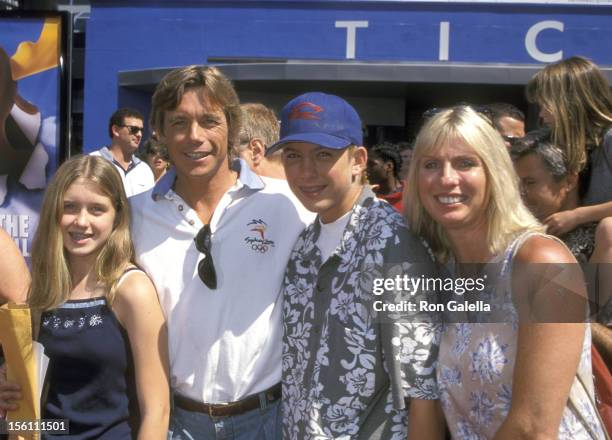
column 206, row 267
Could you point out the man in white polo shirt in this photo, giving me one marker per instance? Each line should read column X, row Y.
column 125, row 129
column 215, row 238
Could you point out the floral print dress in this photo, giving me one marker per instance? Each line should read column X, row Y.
column 475, row 370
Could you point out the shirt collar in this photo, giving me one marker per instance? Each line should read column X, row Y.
column 106, row 153
column 246, row 177
column 365, row 199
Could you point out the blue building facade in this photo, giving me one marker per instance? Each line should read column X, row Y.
column 377, row 52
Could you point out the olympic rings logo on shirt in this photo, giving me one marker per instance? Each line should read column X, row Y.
column 263, row 248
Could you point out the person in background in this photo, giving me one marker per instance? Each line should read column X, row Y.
column 517, row 379
column 260, row 130
column 508, row 120
column 405, row 149
column 156, row 156
column 575, row 101
column 383, row 171
column 96, row 313
column 347, row 374
column 547, row 187
column 14, row 272
column 125, row 129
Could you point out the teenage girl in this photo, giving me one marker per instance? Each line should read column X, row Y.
column 99, row 317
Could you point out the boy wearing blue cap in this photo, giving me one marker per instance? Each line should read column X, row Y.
column 346, row 373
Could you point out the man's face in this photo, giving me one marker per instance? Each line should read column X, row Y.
column 196, row 135
column 378, row 170
column 129, row 134
column 323, row 179
column 510, row 128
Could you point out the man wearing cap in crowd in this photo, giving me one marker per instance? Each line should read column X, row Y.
column 215, row 240
column 347, row 372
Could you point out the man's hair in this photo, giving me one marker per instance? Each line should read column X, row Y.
column 538, row 142
column 258, row 121
column 118, row 118
column 506, row 215
column 577, row 95
column 217, row 87
column 498, row 110
column 388, row 153
column 51, row 280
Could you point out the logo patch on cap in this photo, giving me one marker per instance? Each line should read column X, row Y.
column 305, row 110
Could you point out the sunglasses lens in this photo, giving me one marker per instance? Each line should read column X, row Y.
column 207, row 273
column 206, row 267
column 135, row 130
column 202, row 240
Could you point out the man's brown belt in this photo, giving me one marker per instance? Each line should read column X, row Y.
column 229, row 409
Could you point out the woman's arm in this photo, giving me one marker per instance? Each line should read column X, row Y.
column 425, row 420
column 548, row 354
column 137, row 308
column 562, row 222
column 14, row 272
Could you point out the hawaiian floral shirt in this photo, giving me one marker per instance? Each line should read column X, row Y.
column 346, row 372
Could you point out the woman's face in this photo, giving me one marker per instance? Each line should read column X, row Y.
column 87, row 219
column 157, row 162
column 452, row 186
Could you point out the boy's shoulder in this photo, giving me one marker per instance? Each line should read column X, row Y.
column 401, row 240
column 381, row 209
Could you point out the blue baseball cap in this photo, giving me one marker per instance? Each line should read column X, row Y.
column 318, row 118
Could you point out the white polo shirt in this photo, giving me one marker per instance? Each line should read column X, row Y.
column 225, row 344
column 137, row 179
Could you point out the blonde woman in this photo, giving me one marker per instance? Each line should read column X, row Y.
column 101, row 323
column 517, row 379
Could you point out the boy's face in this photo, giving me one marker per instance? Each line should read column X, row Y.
column 326, row 181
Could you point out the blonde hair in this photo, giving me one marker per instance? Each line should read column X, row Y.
column 258, row 121
column 51, row 280
column 577, row 95
column 506, row 215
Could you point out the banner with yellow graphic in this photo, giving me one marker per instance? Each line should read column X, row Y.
column 34, row 115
